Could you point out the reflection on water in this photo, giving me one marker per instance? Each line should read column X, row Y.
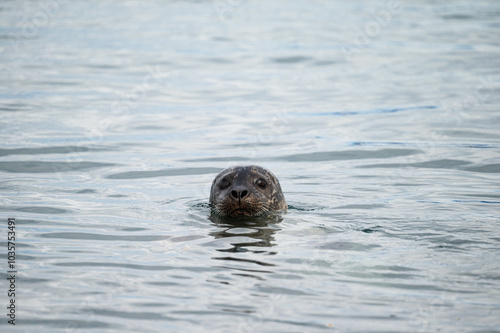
column 259, row 231
column 379, row 119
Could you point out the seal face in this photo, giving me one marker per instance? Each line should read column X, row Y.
column 246, row 191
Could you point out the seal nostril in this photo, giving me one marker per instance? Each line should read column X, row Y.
column 239, row 194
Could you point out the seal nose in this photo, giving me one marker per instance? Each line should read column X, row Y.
column 239, row 193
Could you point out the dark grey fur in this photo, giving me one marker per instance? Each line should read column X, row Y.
column 236, row 192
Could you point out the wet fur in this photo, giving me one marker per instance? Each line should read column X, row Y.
column 258, row 202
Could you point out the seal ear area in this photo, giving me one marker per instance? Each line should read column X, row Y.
column 214, row 188
column 217, row 177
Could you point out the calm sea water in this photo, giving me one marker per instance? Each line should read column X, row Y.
column 380, row 118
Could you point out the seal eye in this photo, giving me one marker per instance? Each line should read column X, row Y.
column 224, row 183
column 261, row 183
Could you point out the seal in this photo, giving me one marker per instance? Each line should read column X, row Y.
column 246, row 191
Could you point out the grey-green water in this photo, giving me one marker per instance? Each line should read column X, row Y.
column 380, row 119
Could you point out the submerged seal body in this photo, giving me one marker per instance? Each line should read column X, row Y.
column 246, row 191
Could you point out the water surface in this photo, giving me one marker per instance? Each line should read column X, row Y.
column 381, row 122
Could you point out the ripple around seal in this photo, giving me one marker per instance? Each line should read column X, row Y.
column 163, row 173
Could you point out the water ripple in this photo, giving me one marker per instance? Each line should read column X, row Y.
column 133, row 266
column 373, row 111
column 49, row 167
column 349, row 155
column 441, row 164
column 107, row 237
column 50, row 150
column 163, row 173
column 37, row 209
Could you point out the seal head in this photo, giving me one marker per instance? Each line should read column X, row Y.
column 246, row 191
